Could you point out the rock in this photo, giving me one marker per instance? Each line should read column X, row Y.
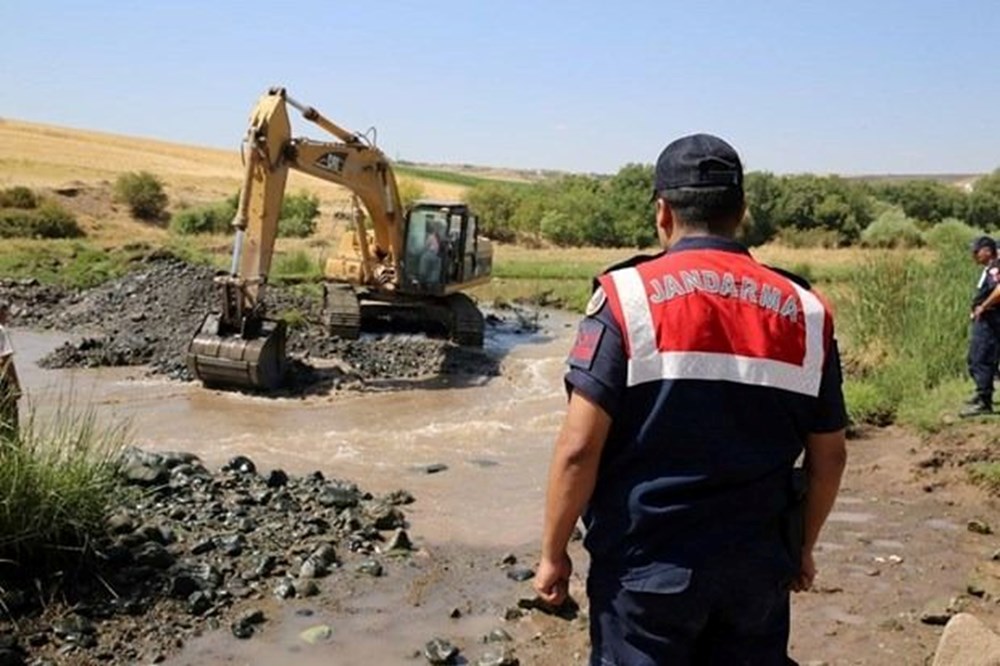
column 508, row 559
column 284, row 590
column 121, row 522
column 252, row 616
column 399, row 542
column 399, row 497
column 371, row 568
column 385, row 516
column 152, row 554
column 339, row 496
column 520, row 574
column 240, row 465
column 198, row 602
column 276, row 478
column 501, row 656
column 317, row 634
column 440, row 651
column 937, row 611
column 138, row 467
column 203, row 546
column 498, row 635
column 979, row 527
column 231, row 544
column 308, row 589
column 966, row 641
column 455, row 613
column 77, row 630
column 434, row 468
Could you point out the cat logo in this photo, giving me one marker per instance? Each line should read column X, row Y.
column 332, row 162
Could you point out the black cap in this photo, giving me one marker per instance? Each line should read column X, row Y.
column 981, row 242
column 698, row 160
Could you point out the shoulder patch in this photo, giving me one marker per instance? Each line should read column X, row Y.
column 596, row 302
column 588, row 338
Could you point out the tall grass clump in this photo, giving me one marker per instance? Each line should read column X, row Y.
column 57, row 483
column 950, row 234
column 907, row 321
column 144, row 194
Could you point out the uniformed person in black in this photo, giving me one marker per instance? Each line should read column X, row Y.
column 686, row 477
column 984, row 339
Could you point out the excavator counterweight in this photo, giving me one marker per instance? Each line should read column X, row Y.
column 409, row 267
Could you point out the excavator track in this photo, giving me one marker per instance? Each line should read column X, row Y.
column 466, row 321
column 342, row 310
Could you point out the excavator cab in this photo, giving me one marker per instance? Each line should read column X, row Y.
column 442, row 249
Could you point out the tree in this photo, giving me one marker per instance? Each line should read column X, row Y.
column 496, row 205
column 627, row 200
column 925, row 200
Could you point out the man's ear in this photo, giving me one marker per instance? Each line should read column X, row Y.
column 664, row 219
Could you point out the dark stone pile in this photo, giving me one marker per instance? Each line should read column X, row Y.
column 148, row 317
column 193, row 550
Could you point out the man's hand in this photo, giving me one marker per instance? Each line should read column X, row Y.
column 552, row 579
column 977, row 312
column 807, row 573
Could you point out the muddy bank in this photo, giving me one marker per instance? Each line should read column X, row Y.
column 148, row 317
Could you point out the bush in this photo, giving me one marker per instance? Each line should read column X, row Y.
column 950, row 234
column 212, row 219
column 49, row 220
column 18, row 197
column 143, row 192
column 56, row 484
column 892, row 229
column 298, row 215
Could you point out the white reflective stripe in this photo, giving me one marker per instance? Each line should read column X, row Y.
column 635, row 309
column 715, row 366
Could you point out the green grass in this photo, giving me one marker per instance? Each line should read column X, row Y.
column 296, row 266
column 73, row 264
column 986, row 474
column 57, row 483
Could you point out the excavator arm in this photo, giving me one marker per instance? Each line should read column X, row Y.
column 239, row 345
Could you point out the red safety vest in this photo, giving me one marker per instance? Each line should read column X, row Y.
column 715, row 315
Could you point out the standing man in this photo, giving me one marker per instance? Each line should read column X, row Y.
column 984, row 341
column 697, row 378
column 10, row 385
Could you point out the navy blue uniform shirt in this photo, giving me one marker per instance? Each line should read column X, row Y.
column 694, row 472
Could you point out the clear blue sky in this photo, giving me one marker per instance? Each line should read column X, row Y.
column 842, row 86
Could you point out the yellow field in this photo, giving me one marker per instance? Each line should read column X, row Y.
column 44, row 156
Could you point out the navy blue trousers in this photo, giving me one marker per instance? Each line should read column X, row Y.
column 984, row 352
column 725, row 617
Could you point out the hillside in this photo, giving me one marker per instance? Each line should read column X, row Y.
column 47, row 156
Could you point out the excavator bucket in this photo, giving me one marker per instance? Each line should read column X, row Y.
column 238, row 361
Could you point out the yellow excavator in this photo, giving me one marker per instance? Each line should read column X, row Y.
column 401, row 267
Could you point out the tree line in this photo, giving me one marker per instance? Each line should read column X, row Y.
column 800, row 210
